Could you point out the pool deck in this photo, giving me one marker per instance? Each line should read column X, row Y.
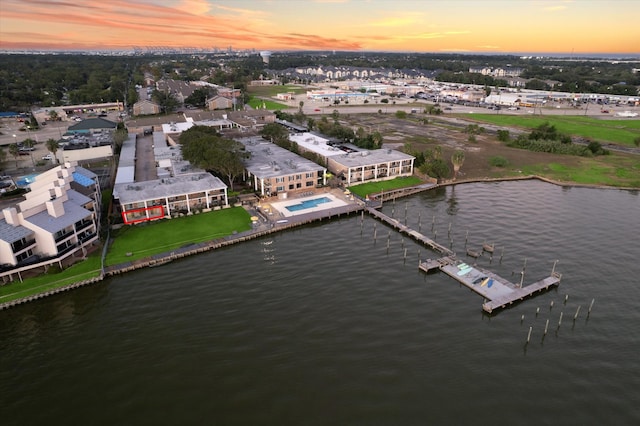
column 280, row 207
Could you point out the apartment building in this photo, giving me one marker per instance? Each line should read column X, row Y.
column 273, row 170
column 353, row 165
column 58, row 218
column 179, row 189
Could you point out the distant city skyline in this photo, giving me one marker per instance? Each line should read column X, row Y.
column 430, row 26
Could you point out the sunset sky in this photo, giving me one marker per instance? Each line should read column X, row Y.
column 496, row 26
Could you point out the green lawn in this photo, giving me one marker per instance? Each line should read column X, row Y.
column 621, row 132
column 375, row 187
column 148, row 239
column 259, row 103
column 86, row 269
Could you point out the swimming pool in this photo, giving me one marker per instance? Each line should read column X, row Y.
column 308, row 204
column 24, row 181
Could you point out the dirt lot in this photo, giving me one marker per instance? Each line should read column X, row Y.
column 448, row 132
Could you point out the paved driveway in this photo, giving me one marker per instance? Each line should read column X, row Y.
column 145, row 160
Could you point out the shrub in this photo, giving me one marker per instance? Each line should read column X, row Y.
column 498, row 161
column 504, row 136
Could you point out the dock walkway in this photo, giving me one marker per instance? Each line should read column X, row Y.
column 410, row 232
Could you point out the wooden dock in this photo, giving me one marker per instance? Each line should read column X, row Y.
column 394, row 223
column 496, row 290
column 519, row 294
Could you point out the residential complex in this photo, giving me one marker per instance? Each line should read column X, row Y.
column 273, row 170
column 353, row 165
column 58, row 218
column 177, row 187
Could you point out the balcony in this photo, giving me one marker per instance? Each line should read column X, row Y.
column 21, row 245
column 66, row 249
column 83, row 224
column 61, row 237
column 84, row 238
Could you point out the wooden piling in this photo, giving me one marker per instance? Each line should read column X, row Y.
column 560, row 320
column 591, row 305
column 529, row 335
column 546, row 326
column 577, row 312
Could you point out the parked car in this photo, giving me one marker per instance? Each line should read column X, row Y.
column 48, row 157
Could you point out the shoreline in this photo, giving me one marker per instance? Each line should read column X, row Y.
column 196, row 248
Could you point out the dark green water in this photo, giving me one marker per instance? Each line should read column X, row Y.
column 323, row 325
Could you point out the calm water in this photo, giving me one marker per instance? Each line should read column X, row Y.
column 324, row 325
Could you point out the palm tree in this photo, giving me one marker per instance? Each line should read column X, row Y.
column 29, row 143
column 457, row 158
column 52, row 146
column 15, row 151
column 3, row 156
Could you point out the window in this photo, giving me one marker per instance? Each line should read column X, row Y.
column 291, row 186
column 280, row 188
column 279, row 179
column 309, row 183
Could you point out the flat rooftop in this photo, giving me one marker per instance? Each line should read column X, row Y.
column 167, row 187
column 375, row 156
column 268, row 160
column 316, row 144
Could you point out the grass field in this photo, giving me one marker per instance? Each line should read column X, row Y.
column 606, row 170
column 165, row 235
column 86, row 269
column 621, row 132
column 375, row 187
column 274, row 90
column 258, row 103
